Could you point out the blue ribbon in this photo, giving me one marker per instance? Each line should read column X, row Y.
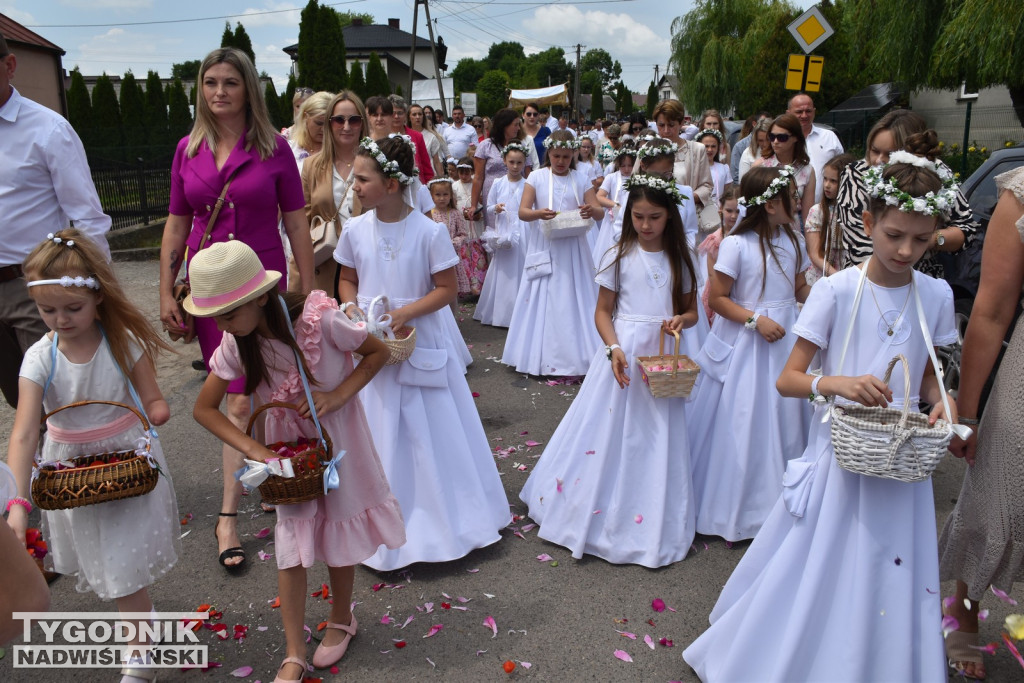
column 331, row 478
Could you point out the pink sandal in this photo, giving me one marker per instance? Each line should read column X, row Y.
column 291, row 660
column 327, row 655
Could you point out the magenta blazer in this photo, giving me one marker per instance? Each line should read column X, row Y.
column 249, row 214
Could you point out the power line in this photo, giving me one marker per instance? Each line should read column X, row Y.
column 183, row 21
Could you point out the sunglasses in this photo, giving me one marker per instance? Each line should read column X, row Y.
column 531, row 114
column 637, row 129
column 304, row 91
column 779, row 137
column 354, row 120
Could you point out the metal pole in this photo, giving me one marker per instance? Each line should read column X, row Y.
column 576, row 88
column 412, row 50
column 433, row 51
column 967, row 135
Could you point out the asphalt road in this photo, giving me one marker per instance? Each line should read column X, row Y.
column 561, row 617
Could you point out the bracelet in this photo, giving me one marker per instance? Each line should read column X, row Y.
column 969, row 421
column 344, row 306
column 814, row 385
column 608, row 350
column 751, row 322
column 18, row 500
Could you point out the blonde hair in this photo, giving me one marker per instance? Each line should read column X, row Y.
column 314, row 106
column 322, row 162
column 672, row 110
column 451, row 191
column 260, row 133
column 124, row 323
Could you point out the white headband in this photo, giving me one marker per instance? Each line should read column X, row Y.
column 68, row 281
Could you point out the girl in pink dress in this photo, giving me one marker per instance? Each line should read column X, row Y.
column 446, row 213
column 260, row 345
column 731, row 212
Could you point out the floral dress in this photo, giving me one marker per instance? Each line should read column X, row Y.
column 457, row 231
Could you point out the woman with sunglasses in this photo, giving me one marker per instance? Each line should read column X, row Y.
column 535, row 130
column 789, row 148
column 327, row 176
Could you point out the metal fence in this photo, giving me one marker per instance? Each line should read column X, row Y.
column 132, row 194
column 980, row 126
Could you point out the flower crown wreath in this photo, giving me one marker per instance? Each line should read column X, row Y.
column 658, row 183
column 932, row 204
column 648, row 150
column 389, row 167
column 439, row 179
column 561, row 144
column 513, row 147
column 786, row 174
column 710, row 131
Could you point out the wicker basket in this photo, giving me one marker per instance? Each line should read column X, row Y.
column 404, row 343
column 888, row 443
column 304, row 486
column 676, row 382
column 94, row 479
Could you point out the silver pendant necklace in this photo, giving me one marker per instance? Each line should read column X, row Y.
column 656, row 275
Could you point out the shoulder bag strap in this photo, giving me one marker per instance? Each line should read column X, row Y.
column 302, row 375
column 216, row 209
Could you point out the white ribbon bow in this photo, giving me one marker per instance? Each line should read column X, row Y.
column 379, row 326
column 255, row 472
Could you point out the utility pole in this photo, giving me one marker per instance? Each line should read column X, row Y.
column 655, row 74
column 576, row 85
column 433, row 52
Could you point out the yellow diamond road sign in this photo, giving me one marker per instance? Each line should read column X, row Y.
column 811, row 29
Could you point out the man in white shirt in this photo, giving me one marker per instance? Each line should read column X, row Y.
column 459, row 135
column 563, row 123
column 822, row 144
column 44, row 183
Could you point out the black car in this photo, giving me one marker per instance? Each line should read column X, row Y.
column 963, row 270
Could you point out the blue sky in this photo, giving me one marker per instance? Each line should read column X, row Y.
column 636, row 33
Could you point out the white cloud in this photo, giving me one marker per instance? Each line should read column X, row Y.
column 252, row 17
column 117, row 50
column 621, row 35
column 18, row 15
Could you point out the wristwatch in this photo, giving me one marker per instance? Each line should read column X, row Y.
column 940, row 239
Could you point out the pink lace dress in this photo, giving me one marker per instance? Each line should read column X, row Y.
column 457, row 231
column 351, row 522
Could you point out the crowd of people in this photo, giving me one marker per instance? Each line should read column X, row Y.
column 312, row 254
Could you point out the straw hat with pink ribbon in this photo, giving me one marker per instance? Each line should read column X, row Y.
column 224, row 276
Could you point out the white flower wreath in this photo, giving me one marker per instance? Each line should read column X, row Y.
column 648, row 150
column 709, row 131
column 655, row 183
column 388, row 167
column 932, row 204
column 561, row 144
column 941, row 170
column 514, row 147
column 786, row 174
column 439, row 179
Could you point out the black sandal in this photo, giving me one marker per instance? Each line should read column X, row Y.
column 237, row 551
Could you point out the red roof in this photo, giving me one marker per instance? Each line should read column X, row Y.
column 14, row 32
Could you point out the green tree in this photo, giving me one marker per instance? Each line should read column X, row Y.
column 335, row 76
column 284, row 107
column 80, row 108
column 767, row 43
column 982, row 43
column 545, row 68
column 321, row 53
column 106, row 115
column 156, row 111
column 600, row 62
column 623, row 99
column 356, row 82
column 377, row 82
column 186, row 71
column 507, row 56
column 465, row 74
column 179, row 118
column 242, row 42
column 492, row 92
column 227, row 39
column 652, row 99
column 596, row 103
column 709, row 46
column 274, row 107
column 133, row 115
column 398, row 90
column 310, row 52
column 345, row 18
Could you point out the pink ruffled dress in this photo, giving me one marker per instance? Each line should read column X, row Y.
column 350, row 523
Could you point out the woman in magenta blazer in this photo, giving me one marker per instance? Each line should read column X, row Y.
column 232, row 136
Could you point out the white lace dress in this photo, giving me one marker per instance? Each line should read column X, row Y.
column 114, row 548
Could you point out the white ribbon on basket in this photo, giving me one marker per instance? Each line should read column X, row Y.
column 379, row 326
column 255, row 472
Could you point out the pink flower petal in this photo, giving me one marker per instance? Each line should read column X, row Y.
column 476, row 394
column 638, row 519
column 948, row 602
column 463, row 600
column 386, row 619
column 428, row 607
column 1013, row 648
column 242, row 672
column 982, row 615
column 665, row 642
column 626, row 634
column 658, row 605
column 262, row 533
column 544, row 557
column 949, row 624
column 624, row 656
column 433, row 630
column 1003, row 596
column 596, row 512
column 649, row 641
column 491, row 624
column 472, row 571
column 407, row 621
column 525, row 665
column 263, row 555
column 590, row 452
column 989, row 649
column 531, row 444
column 558, row 484
column 481, row 652
column 528, row 527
